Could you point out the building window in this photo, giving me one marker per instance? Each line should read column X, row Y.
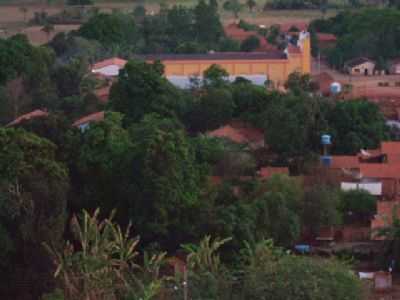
column 357, row 70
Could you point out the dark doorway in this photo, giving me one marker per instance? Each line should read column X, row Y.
column 366, row 72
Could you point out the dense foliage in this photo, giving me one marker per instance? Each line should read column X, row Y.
column 151, row 165
column 362, row 33
column 33, row 200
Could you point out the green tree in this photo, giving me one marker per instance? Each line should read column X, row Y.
column 206, row 273
column 250, row 101
column 68, row 78
column 299, row 83
column 320, row 208
column 33, row 189
column 251, row 4
column 250, row 44
column 278, row 210
column 139, row 12
column 142, row 89
column 391, row 235
column 278, row 277
column 110, row 29
column 207, row 26
column 215, row 76
column 357, row 205
column 103, row 168
column 361, row 33
column 356, row 125
column 214, row 108
column 101, row 262
column 293, row 125
column 233, row 6
column 168, row 180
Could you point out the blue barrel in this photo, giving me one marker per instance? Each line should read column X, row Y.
column 326, row 160
column 325, row 139
column 303, row 249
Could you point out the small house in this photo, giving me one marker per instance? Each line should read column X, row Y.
column 360, row 66
column 83, row 123
column 109, row 67
column 29, row 116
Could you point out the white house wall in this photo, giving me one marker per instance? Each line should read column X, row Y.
column 374, row 188
column 111, row 70
column 184, row 82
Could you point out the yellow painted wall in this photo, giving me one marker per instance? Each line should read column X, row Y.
column 277, row 70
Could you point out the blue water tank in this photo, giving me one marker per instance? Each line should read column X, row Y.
column 326, row 160
column 303, row 249
column 335, row 88
column 325, row 139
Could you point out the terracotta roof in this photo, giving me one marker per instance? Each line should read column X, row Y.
column 380, row 170
column 95, row 117
column 273, row 54
column 390, row 147
column 326, row 37
column 234, row 32
column 345, row 162
column 108, row 62
column 31, row 115
column 324, row 81
column 267, row 172
column 240, row 133
column 285, row 27
column 393, row 158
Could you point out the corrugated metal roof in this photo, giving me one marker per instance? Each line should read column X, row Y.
column 217, row 56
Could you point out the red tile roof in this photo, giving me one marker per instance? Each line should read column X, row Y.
column 301, row 26
column 240, row 133
column 95, row 117
column 380, row 170
column 233, row 31
column 324, row 81
column 326, row 37
column 390, row 147
column 108, row 62
column 32, row 115
column 273, row 54
column 345, row 162
column 267, row 172
column 393, row 158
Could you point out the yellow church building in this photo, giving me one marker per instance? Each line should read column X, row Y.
column 272, row 65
